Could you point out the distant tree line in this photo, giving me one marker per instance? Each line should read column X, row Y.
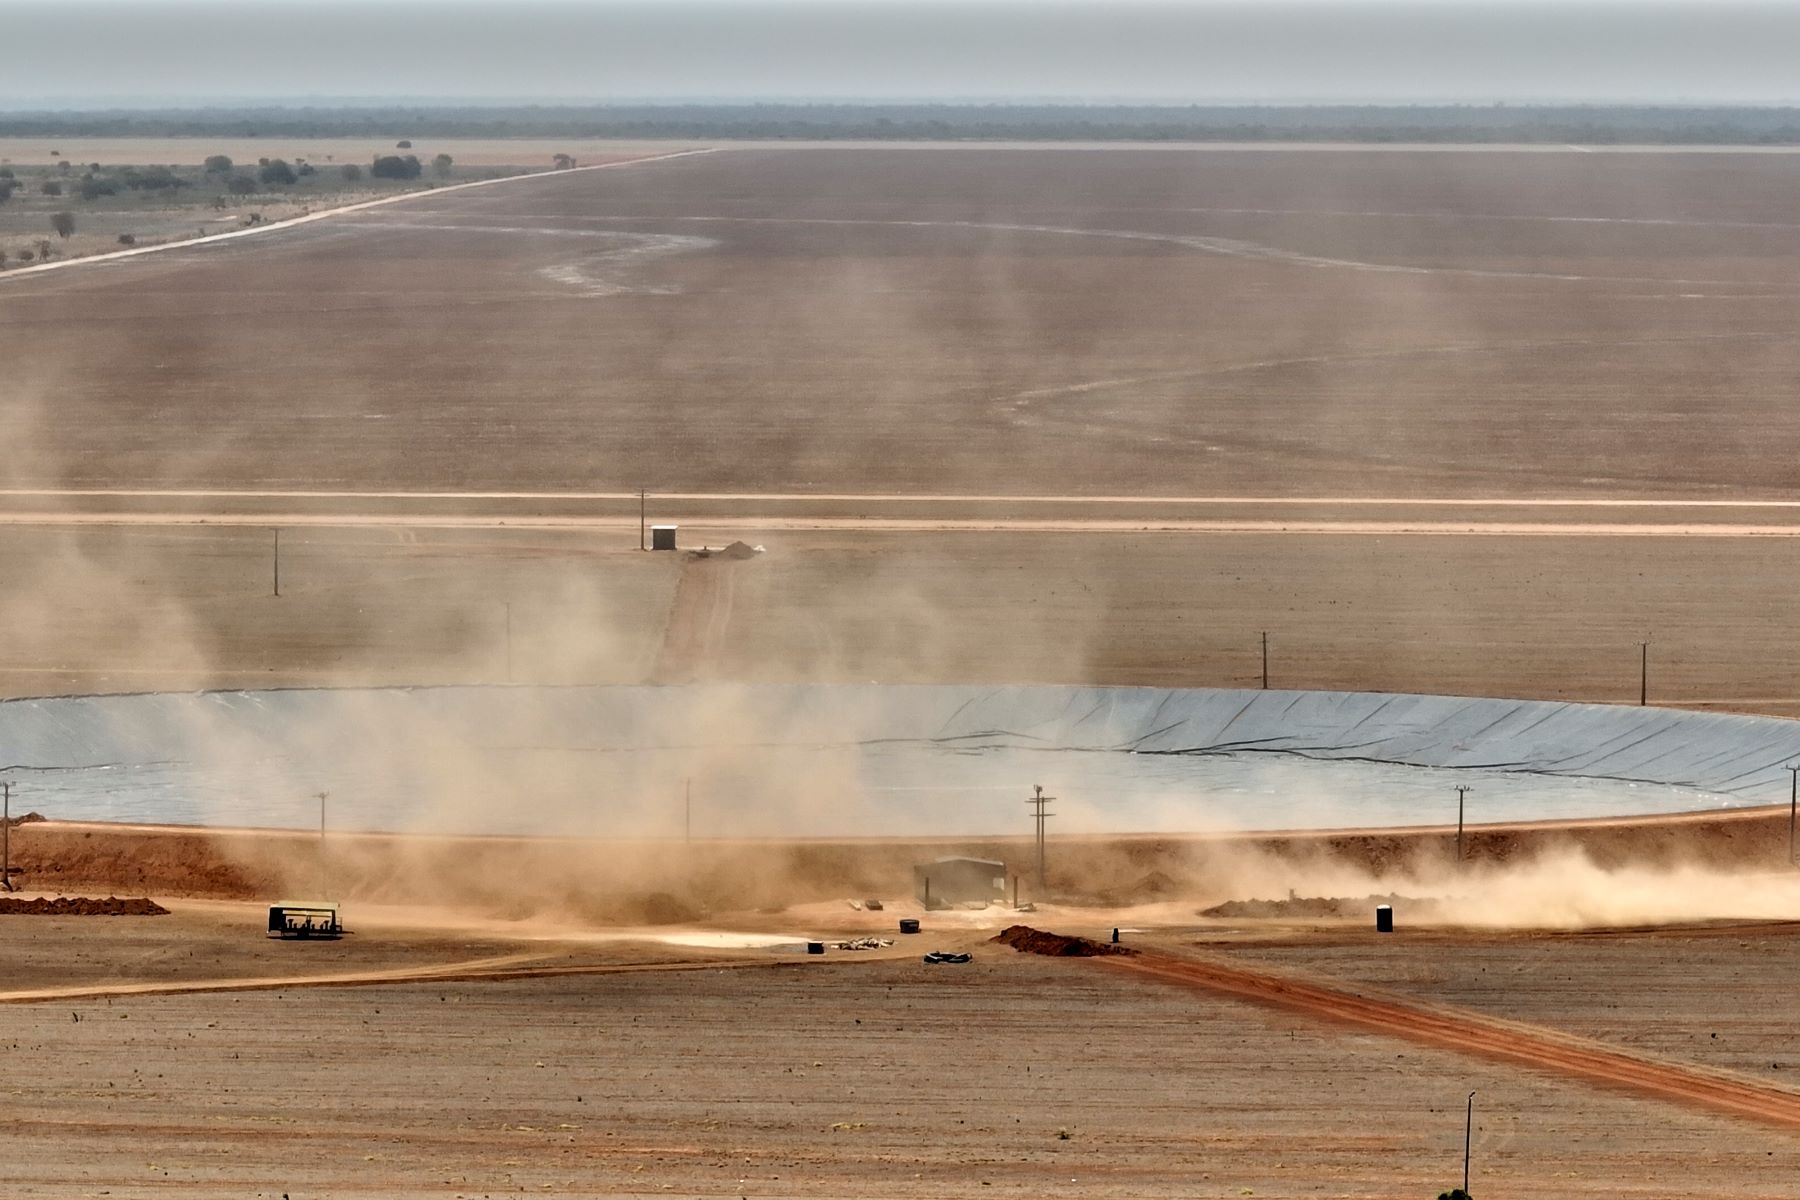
column 1586, row 124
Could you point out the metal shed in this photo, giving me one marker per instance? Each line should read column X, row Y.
column 951, row 881
column 662, row 537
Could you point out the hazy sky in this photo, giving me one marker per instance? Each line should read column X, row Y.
column 82, row 52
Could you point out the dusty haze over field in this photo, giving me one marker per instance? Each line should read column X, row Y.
column 1200, row 50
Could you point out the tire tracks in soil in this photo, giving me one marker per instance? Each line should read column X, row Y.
column 1479, row 1036
column 698, row 619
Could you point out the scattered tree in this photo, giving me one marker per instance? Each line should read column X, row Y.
column 563, row 162
column 240, row 185
column 306, row 168
column 403, row 145
column 276, row 171
column 218, row 164
column 6, row 190
column 351, row 172
column 151, row 179
column 2, row 258
column 127, row 239
column 50, row 187
column 441, row 164
column 392, row 166
column 64, row 167
column 63, row 222
column 45, row 249
column 7, row 173
column 24, row 256
column 218, row 202
column 93, row 187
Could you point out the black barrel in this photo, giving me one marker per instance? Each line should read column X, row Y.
column 909, row 924
column 1384, row 918
column 815, row 947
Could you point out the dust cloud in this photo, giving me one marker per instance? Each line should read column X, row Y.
column 946, row 351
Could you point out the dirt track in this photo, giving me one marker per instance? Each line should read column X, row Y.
column 1470, row 1033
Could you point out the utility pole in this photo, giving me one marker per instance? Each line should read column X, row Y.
column 1462, row 790
column 1468, row 1139
column 687, row 811
column 278, row 562
column 324, row 874
column 1265, row 644
column 6, row 836
column 643, row 519
column 1643, row 673
column 1040, row 814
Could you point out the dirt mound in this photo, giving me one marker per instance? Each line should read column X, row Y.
column 1027, row 940
column 81, row 906
column 30, row 818
column 1143, row 889
column 1312, row 907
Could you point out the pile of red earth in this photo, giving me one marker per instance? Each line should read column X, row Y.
column 80, row 906
column 30, row 818
column 1027, row 940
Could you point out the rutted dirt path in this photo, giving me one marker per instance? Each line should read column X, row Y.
column 1483, row 1037
column 697, row 621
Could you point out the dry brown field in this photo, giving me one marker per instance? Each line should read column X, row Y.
column 996, row 415
column 1058, row 322
column 626, row 1070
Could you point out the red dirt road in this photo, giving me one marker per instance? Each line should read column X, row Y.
column 1484, row 1037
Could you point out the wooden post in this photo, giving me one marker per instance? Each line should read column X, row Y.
column 1468, row 1139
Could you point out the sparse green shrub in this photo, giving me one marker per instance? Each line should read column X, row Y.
column 441, row 164
column 277, row 172
column 50, row 187
column 63, row 222
column 403, row 144
column 217, row 164
column 127, row 239
column 351, row 172
column 240, row 185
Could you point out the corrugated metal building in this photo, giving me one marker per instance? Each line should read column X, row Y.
column 951, row 881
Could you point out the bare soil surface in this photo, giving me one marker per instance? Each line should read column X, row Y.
column 1559, row 617
column 1713, row 996
column 1013, row 1074
column 1116, row 322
